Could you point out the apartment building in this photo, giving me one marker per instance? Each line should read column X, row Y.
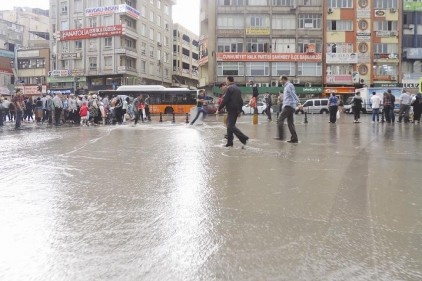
column 185, row 57
column 261, row 40
column 107, row 43
column 412, row 44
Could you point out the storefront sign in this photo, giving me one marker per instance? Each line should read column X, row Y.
column 88, row 33
column 341, row 58
column 6, row 70
column 67, row 79
column 32, row 90
column 384, row 33
column 7, row 54
column 230, row 32
column 339, row 78
column 70, row 56
column 258, row 31
column 301, row 57
column 29, row 54
column 413, row 53
column 59, row 73
column 363, row 36
column 65, row 91
column 109, row 10
column 339, row 90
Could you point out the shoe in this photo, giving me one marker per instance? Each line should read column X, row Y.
column 293, row 141
column 244, row 141
column 229, row 145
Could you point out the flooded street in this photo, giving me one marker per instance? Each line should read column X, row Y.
column 166, row 201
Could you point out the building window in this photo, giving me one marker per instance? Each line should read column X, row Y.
column 303, row 45
column 31, row 63
column 108, row 42
column 166, row 41
column 259, row 45
column 151, row 34
column 231, row 2
column 230, row 21
column 158, row 37
column 78, row 44
column 282, row 2
column 108, row 61
column 385, row 69
column 65, row 47
column 258, row 2
column 229, row 45
column 283, row 45
column 151, row 16
column 385, row 4
column 340, row 4
column 143, row 66
column 340, row 25
column 64, row 25
column 309, row 21
column 108, row 20
column 92, row 44
column 129, row 43
column 339, row 48
column 385, row 48
column 93, row 63
column 257, row 69
column 284, row 21
column 310, row 3
column 258, row 21
column 143, row 11
column 167, row 10
column 77, row 4
column 143, row 30
column 143, row 48
column 309, row 69
column 92, row 22
column 158, row 20
column 385, row 25
column 339, row 69
column 151, row 51
column 63, row 7
column 283, row 68
column 159, row 4
column 230, row 68
column 78, row 23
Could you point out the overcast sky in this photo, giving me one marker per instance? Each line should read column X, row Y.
column 185, row 12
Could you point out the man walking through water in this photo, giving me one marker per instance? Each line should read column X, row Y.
column 233, row 102
column 290, row 101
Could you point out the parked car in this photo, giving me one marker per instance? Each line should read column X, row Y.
column 246, row 109
column 314, row 106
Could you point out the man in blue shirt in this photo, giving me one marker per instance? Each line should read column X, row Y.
column 290, row 101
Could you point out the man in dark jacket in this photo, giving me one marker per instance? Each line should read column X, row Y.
column 233, row 103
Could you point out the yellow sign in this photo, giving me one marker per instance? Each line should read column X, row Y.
column 420, row 85
column 257, row 31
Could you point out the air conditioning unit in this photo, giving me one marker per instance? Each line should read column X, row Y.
column 296, row 81
column 330, row 10
column 265, row 84
column 274, row 83
column 393, row 10
column 393, row 78
column 308, row 84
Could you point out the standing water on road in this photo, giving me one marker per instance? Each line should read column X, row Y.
column 169, row 202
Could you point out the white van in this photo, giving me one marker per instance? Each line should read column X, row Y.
column 318, row 106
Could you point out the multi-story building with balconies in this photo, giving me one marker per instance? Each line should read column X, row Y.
column 412, row 44
column 185, row 57
column 112, row 42
column 261, row 40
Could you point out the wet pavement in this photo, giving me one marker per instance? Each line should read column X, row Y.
column 165, row 201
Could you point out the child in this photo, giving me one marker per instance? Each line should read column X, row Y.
column 83, row 112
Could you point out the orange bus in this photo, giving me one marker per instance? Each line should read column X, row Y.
column 161, row 99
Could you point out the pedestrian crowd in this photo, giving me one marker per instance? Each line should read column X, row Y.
column 86, row 110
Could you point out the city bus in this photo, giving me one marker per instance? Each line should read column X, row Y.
column 161, row 99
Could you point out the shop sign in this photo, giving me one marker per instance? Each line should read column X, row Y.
column 413, row 53
column 385, row 33
column 109, row 10
column 339, row 78
column 339, row 90
column 65, row 91
column 67, row 79
column 70, row 56
column 258, row 31
column 363, row 36
column 7, row 54
column 59, row 73
column 29, row 54
column 273, row 57
column 341, row 58
column 31, row 90
column 91, row 32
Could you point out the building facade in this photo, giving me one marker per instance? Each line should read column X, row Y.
column 185, row 57
column 106, row 43
column 412, row 44
column 261, row 40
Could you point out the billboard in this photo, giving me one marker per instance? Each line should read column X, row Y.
column 91, row 32
column 275, row 57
